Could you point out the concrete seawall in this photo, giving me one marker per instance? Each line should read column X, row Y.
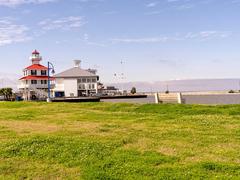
column 211, row 99
column 208, row 98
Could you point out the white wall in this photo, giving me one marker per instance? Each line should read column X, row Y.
column 70, row 87
column 59, row 84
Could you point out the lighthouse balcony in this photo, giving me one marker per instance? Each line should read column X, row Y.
column 34, row 86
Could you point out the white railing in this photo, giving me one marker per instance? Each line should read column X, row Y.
column 35, row 86
column 41, row 94
column 39, row 90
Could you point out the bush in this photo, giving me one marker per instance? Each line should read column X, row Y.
column 7, row 93
column 134, row 90
column 231, row 91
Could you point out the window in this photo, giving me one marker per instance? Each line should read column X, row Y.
column 82, row 86
column 43, row 72
column 79, row 80
column 33, row 72
column 84, row 80
column 94, row 80
column 88, row 80
column 43, row 81
column 89, row 86
column 33, row 81
column 93, row 86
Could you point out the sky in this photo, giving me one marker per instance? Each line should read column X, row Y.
column 155, row 40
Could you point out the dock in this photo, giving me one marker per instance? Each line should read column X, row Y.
column 124, row 97
column 98, row 99
column 77, row 99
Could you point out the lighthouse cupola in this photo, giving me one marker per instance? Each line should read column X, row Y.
column 35, row 58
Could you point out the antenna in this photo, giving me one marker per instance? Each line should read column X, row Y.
column 122, row 76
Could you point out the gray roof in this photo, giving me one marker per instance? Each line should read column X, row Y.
column 75, row 72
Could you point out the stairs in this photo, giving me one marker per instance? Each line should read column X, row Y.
column 171, row 98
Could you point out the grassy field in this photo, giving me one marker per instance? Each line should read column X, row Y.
column 118, row 141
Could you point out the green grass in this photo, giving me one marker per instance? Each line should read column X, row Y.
column 118, row 141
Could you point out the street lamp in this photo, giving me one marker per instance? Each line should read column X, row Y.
column 50, row 68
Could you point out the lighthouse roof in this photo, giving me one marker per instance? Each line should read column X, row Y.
column 36, row 67
column 36, row 78
column 35, row 52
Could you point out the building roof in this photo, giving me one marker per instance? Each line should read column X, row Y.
column 35, row 52
column 75, row 72
column 36, row 78
column 36, row 67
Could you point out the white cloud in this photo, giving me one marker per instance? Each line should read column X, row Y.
column 206, row 35
column 152, row 4
column 86, row 37
column 141, row 40
column 199, row 36
column 89, row 1
column 172, row 1
column 87, row 40
column 12, row 3
column 66, row 23
column 11, row 32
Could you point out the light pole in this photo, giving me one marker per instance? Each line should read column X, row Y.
column 50, row 68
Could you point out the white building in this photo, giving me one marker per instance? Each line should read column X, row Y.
column 76, row 82
column 34, row 83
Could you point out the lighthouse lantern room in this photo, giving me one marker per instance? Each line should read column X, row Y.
column 34, row 83
column 35, row 58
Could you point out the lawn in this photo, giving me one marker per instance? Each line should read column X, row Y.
column 118, row 141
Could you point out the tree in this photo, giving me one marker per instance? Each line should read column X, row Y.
column 134, row 90
column 7, row 93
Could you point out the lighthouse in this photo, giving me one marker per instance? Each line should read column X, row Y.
column 35, row 58
column 34, row 83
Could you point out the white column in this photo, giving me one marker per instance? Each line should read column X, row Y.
column 156, row 98
column 179, row 96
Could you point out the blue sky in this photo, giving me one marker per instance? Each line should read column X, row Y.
column 156, row 39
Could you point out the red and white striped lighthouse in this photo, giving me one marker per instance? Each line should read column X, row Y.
column 33, row 84
column 35, row 58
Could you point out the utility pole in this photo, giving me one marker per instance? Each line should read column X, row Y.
column 50, row 68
